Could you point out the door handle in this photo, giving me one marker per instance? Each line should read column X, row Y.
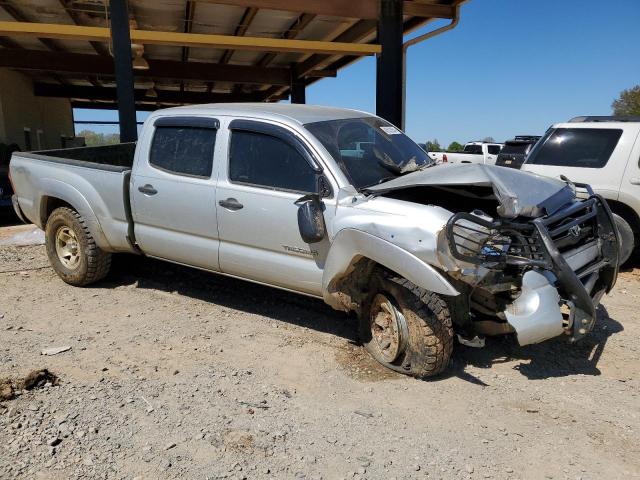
column 634, row 181
column 231, row 204
column 147, row 189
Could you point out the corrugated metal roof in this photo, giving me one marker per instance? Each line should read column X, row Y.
column 209, row 17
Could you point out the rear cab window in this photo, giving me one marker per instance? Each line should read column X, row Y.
column 515, row 148
column 184, row 146
column 576, row 147
column 473, row 149
column 493, row 149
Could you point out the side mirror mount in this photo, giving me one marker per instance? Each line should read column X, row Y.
column 310, row 217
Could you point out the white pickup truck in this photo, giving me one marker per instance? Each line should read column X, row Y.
column 473, row 152
column 603, row 152
column 335, row 204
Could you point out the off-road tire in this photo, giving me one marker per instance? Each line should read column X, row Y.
column 429, row 342
column 627, row 238
column 93, row 264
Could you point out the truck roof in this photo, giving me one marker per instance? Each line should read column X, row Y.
column 301, row 114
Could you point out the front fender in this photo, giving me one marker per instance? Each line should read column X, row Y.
column 350, row 244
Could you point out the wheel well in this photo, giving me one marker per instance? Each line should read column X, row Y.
column 49, row 204
column 626, row 212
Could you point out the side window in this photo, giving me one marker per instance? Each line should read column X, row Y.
column 264, row 160
column 493, row 149
column 576, row 147
column 183, row 150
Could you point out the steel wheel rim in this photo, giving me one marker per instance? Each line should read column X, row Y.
column 388, row 328
column 68, row 247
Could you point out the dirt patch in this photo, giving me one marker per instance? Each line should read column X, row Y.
column 35, row 379
column 175, row 373
column 358, row 364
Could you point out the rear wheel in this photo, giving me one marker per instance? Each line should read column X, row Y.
column 406, row 328
column 72, row 250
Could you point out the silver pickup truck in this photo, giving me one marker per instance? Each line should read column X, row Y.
column 337, row 204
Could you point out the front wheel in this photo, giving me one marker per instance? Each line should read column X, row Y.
column 72, row 251
column 406, row 328
column 627, row 238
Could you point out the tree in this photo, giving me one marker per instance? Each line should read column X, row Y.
column 93, row 139
column 455, row 147
column 488, row 140
column 628, row 103
column 433, row 146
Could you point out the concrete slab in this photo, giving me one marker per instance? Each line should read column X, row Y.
column 21, row 235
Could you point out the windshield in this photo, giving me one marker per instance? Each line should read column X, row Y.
column 515, row 148
column 369, row 150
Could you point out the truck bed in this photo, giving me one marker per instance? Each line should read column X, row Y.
column 93, row 180
column 115, row 158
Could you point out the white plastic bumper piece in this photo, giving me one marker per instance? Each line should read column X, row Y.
column 535, row 314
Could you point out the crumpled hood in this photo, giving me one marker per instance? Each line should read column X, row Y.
column 519, row 193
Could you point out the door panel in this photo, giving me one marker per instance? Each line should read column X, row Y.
column 173, row 192
column 261, row 241
column 258, row 217
column 178, row 223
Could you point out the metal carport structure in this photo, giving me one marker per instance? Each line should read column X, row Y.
column 147, row 54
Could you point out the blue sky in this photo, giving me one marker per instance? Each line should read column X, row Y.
column 510, row 67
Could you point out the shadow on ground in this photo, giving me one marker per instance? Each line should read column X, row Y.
column 554, row 358
column 231, row 293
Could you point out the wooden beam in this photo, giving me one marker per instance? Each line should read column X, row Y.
column 8, row 43
column 292, row 32
column 150, row 37
column 84, row 64
column 356, row 33
column 18, row 16
column 241, row 29
column 428, row 10
column 189, row 13
column 362, row 9
column 99, row 47
column 164, row 96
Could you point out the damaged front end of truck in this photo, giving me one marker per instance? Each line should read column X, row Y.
column 527, row 255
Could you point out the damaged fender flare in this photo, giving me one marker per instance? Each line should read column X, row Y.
column 350, row 244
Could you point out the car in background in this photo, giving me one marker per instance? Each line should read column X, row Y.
column 474, row 152
column 603, row 152
column 515, row 151
column 5, row 184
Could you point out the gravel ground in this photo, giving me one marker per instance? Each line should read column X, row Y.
column 176, row 373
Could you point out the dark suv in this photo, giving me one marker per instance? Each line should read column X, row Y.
column 5, row 185
column 515, row 151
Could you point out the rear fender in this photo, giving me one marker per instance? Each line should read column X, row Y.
column 350, row 245
column 62, row 191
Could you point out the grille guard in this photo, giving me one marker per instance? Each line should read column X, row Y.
column 581, row 290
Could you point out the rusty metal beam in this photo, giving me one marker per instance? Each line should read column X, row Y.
column 189, row 13
column 99, row 47
column 18, row 16
column 241, row 29
column 110, row 94
column 362, row 9
column 292, row 32
column 96, row 65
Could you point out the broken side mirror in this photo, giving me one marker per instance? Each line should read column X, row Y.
column 310, row 213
